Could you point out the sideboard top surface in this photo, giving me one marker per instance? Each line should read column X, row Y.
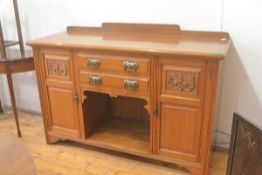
column 145, row 38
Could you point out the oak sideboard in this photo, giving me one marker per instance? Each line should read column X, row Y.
column 142, row 89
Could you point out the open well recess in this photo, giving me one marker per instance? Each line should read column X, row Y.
column 121, row 122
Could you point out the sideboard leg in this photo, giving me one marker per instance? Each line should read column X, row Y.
column 52, row 139
column 196, row 171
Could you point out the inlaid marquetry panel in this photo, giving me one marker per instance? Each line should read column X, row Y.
column 246, row 148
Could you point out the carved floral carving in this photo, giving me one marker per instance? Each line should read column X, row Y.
column 181, row 81
column 57, row 68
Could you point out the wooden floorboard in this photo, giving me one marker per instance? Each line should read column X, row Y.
column 68, row 158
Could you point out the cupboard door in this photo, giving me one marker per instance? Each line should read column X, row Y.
column 63, row 111
column 62, row 117
column 180, row 109
column 179, row 131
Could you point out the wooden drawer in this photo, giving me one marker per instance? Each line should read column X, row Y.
column 138, row 66
column 114, row 83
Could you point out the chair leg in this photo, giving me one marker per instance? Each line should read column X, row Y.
column 12, row 94
column 1, row 108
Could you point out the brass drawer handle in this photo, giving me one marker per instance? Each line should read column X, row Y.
column 130, row 66
column 130, row 85
column 93, row 63
column 95, row 80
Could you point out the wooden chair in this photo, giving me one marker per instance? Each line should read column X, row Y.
column 14, row 61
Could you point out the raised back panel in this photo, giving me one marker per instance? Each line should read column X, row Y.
column 140, row 28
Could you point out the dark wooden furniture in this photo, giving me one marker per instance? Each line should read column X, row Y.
column 15, row 159
column 145, row 90
column 245, row 155
column 14, row 61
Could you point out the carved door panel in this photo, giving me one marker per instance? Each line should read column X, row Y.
column 180, row 108
column 63, row 119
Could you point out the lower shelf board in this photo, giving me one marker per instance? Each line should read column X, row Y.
column 122, row 133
